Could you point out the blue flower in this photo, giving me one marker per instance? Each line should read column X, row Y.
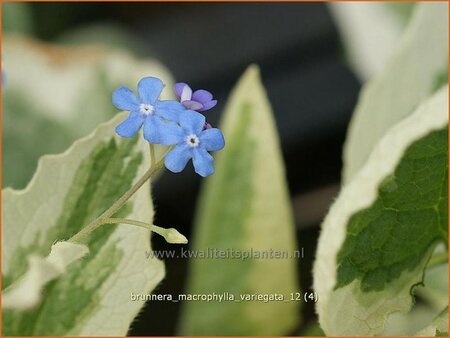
column 200, row 100
column 158, row 117
column 194, row 142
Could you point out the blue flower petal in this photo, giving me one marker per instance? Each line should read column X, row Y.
column 192, row 121
column 130, row 126
column 123, row 98
column 169, row 132
column 203, row 162
column 149, row 89
column 177, row 159
column 169, row 109
column 151, row 129
column 212, row 139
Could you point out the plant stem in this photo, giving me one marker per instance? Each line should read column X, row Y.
column 438, row 259
column 148, row 226
column 119, row 203
column 152, row 154
column 171, row 235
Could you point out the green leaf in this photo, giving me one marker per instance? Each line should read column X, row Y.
column 54, row 95
column 383, row 227
column 92, row 295
column 244, row 206
column 407, row 218
column 410, row 76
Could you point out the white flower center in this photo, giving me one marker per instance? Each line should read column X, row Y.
column 192, row 140
column 146, row 108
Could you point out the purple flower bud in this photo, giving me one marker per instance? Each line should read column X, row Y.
column 200, row 100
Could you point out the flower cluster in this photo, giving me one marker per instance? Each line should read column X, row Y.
column 172, row 123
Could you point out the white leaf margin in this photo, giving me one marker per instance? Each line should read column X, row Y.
column 407, row 80
column 339, row 312
column 135, row 273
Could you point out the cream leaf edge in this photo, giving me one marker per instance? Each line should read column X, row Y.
column 115, row 311
column 358, row 194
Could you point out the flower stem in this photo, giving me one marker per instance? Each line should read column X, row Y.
column 155, row 166
column 438, row 259
column 171, row 235
column 152, row 154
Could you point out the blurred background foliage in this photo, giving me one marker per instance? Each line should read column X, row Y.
column 62, row 61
